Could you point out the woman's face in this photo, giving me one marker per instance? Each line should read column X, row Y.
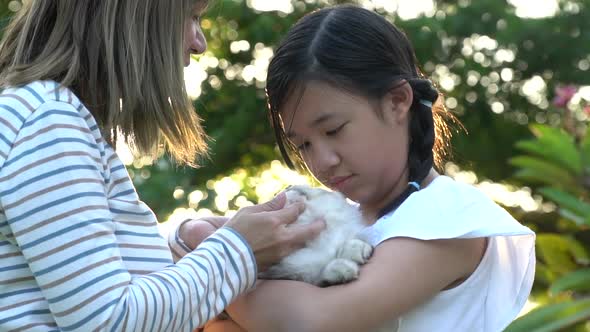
column 347, row 145
column 194, row 40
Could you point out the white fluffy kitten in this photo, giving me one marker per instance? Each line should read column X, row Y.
column 335, row 255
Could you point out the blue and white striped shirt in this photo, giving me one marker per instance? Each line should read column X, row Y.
column 78, row 250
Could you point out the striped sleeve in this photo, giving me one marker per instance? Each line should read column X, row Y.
column 177, row 246
column 54, row 198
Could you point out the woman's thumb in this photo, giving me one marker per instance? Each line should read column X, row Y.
column 277, row 203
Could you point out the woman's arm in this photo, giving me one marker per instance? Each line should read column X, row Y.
column 74, row 259
column 402, row 274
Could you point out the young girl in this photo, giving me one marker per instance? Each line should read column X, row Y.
column 78, row 250
column 346, row 96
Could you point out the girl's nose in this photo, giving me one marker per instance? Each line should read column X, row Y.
column 324, row 159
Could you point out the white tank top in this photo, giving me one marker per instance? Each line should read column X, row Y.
column 497, row 290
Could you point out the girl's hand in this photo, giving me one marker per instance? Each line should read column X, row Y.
column 193, row 232
column 225, row 325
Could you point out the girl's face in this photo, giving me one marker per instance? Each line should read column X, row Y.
column 194, row 40
column 347, row 145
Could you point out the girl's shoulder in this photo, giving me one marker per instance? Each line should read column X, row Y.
column 498, row 288
column 446, row 209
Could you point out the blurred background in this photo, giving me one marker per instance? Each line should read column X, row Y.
column 515, row 73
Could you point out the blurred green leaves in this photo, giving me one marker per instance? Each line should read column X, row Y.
column 498, row 71
column 557, row 159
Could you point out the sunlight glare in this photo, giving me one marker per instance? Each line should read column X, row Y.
column 507, row 195
column 195, row 73
column 124, row 152
column 406, row 10
column 284, row 6
column 274, row 179
column 535, row 8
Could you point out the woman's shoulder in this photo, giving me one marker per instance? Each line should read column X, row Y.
column 47, row 112
column 31, row 102
column 23, row 100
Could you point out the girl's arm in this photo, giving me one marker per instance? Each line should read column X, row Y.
column 402, row 274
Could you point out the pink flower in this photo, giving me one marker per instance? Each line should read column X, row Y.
column 563, row 95
column 587, row 110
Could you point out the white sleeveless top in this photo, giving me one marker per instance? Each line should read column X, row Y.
column 497, row 290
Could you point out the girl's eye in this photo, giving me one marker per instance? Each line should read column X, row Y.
column 335, row 131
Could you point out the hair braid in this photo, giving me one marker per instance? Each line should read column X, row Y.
column 422, row 139
column 422, row 131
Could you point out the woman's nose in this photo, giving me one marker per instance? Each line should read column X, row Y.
column 195, row 41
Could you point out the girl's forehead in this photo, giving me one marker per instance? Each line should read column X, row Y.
column 318, row 103
column 316, row 98
column 305, row 102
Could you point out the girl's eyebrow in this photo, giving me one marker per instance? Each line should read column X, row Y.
column 322, row 118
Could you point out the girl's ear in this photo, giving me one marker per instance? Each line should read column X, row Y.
column 397, row 102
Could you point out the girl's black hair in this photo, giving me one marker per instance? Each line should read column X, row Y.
column 357, row 50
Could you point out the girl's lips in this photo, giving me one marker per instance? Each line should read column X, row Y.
column 339, row 181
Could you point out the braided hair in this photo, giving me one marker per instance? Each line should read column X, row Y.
column 359, row 51
column 422, row 138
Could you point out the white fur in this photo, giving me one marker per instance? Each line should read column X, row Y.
column 335, row 255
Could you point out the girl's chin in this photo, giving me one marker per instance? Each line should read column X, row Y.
column 350, row 195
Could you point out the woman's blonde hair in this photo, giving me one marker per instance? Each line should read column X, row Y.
column 122, row 58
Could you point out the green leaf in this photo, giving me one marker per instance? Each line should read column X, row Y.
column 557, row 251
column 544, row 171
column 567, row 201
column 576, row 281
column 555, row 317
column 585, row 152
column 578, row 252
column 532, row 176
column 555, row 145
column 569, row 215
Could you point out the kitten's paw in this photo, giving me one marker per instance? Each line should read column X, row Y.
column 356, row 250
column 339, row 271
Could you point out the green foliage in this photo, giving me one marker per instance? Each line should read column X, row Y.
column 576, row 281
column 557, row 158
column 557, row 317
column 446, row 44
column 555, row 144
column 234, row 109
column 489, row 54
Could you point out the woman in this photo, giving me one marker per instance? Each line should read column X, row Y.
column 78, row 249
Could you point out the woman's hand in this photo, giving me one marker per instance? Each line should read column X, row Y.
column 266, row 227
